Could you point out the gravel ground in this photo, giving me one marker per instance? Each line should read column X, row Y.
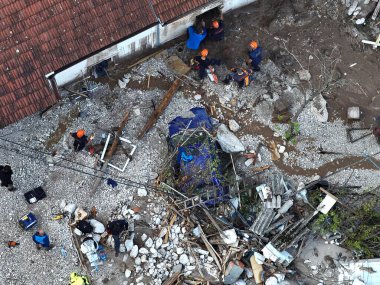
column 66, row 180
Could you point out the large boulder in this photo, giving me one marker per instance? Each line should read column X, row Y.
column 228, row 141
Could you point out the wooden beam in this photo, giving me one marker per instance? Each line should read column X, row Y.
column 110, row 152
column 161, row 108
column 376, row 12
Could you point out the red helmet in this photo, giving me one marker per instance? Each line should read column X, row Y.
column 215, row 24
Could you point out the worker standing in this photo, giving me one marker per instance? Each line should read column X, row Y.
column 216, row 31
column 41, row 239
column 196, row 35
column 6, row 177
column 115, row 228
column 241, row 76
column 255, row 55
column 80, row 140
column 202, row 62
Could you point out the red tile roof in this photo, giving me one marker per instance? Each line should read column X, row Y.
column 168, row 10
column 41, row 36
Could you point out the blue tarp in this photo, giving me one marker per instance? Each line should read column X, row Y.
column 200, row 119
column 198, row 160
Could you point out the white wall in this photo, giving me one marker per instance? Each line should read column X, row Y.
column 149, row 38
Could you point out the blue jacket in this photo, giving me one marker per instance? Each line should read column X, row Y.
column 256, row 56
column 42, row 240
column 195, row 39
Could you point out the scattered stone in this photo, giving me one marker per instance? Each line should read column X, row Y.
column 143, row 250
column 144, row 237
column 184, row 259
column 248, row 162
column 128, row 273
column 149, row 243
column 319, row 109
column 233, row 125
column 304, row 74
column 281, row 149
column 141, row 192
column 158, row 243
column 163, row 232
column 353, row 113
column 134, row 251
column 197, row 97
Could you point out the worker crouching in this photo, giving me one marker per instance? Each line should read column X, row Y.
column 202, row 63
column 76, row 279
column 80, row 140
column 241, row 76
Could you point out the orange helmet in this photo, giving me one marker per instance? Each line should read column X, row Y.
column 204, row 52
column 253, row 44
column 215, row 24
column 80, row 133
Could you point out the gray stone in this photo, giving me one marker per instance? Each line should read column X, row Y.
column 184, row 259
column 228, row 141
column 134, row 251
column 141, row 192
column 319, row 108
column 304, row 74
column 233, row 125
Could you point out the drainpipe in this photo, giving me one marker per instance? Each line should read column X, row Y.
column 158, row 43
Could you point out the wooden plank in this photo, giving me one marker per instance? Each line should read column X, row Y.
column 172, row 280
column 174, row 217
column 376, row 12
column 161, row 108
column 210, row 249
column 110, row 152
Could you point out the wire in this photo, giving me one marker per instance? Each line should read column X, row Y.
column 79, row 164
column 131, row 182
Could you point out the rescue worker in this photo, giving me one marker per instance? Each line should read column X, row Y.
column 6, row 177
column 115, row 228
column 241, row 76
column 196, row 35
column 216, row 31
column 202, row 62
column 41, row 239
column 255, row 55
column 80, row 140
column 76, row 279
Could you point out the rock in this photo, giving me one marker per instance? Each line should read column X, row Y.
column 163, row 232
column 144, row 258
column 248, row 162
column 149, row 243
column 233, row 125
column 319, row 109
column 143, row 250
column 158, row 243
column 304, row 74
column 180, row 250
column 353, row 113
column 137, row 111
column 360, row 21
column 138, row 261
column 177, row 268
column 184, row 259
column 134, row 251
column 122, row 84
column 197, row 97
column 352, row 7
column 128, row 245
column 281, row 149
column 141, row 192
column 144, row 237
column 228, row 141
column 128, row 273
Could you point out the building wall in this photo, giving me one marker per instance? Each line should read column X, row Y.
column 149, row 38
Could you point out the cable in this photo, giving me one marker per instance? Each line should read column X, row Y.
column 83, row 165
column 135, row 185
